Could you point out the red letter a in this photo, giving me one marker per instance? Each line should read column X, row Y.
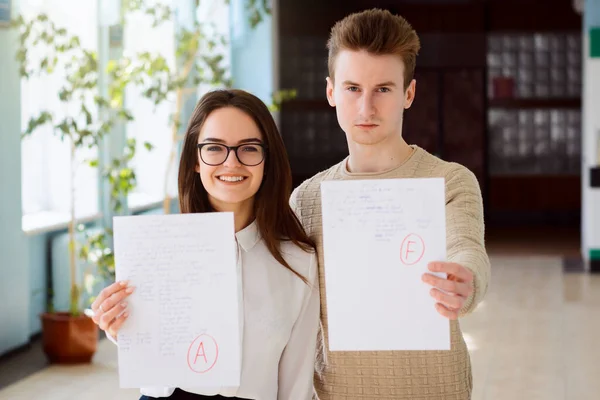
column 203, row 354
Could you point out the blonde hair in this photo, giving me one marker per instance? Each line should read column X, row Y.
column 379, row 32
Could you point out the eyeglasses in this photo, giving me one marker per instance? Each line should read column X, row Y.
column 214, row 154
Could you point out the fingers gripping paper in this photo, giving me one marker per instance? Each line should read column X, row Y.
column 183, row 329
column 378, row 237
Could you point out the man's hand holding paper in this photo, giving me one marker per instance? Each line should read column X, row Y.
column 451, row 293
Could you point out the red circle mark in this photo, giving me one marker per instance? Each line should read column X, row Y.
column 412, row 249
column 199, row 354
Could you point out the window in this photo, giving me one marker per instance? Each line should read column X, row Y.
column 46, row 169
column 151, row 123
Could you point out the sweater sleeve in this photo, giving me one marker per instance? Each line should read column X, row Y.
column 294, row 202
column 465, row 231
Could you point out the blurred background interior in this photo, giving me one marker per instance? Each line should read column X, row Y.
column 94, row 95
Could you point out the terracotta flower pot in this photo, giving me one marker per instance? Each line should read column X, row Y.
column 67, row 339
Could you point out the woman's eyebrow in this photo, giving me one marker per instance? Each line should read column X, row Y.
column 251, row 140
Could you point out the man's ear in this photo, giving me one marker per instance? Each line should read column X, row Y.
column 409, row 95
column 329, row 90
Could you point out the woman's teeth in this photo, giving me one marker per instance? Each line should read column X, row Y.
column 231, row 178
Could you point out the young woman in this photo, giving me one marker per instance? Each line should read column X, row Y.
column 234, row 160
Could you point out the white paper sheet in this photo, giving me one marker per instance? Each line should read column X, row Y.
column 184, row 323
column 378, row 237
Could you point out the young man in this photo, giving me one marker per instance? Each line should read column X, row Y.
column 371, row 64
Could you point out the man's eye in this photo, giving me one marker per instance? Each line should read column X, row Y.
column 353, row 88
column 384, row 89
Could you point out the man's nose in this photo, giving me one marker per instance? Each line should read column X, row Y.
column 367, row 106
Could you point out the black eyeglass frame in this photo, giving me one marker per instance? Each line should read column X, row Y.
column 235, row 150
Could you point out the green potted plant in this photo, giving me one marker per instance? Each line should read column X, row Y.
column 69, row 336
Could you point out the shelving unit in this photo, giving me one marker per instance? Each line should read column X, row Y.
column 533, row 103
column 534, row 97
column 534, row 113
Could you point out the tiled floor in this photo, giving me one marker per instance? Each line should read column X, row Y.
column 534, row 337
column 21, row 363
column 97, row 381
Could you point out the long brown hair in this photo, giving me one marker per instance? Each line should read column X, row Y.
column 275, row 219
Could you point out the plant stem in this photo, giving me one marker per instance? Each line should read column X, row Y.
column 188, row 91
column 74, row 306
column 174, row 133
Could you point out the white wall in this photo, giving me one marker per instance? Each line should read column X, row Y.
column 14, row 271
column 591, row 134
column 252, row 53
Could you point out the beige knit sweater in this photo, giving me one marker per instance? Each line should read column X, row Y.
column 415, row 375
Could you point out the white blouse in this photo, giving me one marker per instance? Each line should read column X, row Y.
column 279, row 323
